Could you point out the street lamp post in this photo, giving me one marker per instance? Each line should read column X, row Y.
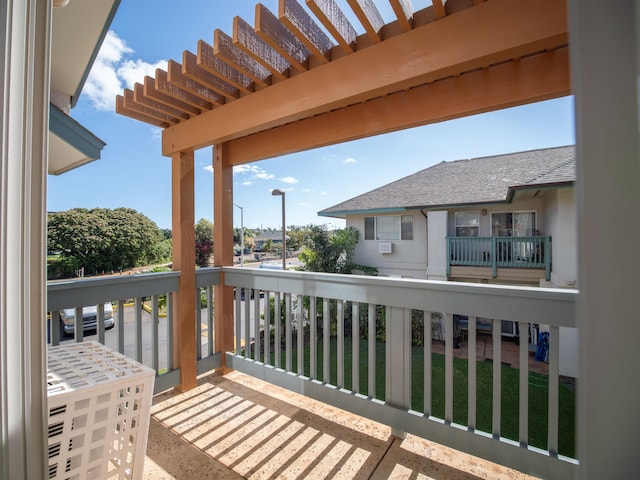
column 279, row 193
column 241, row 234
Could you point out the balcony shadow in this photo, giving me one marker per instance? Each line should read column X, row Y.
column 239, row 427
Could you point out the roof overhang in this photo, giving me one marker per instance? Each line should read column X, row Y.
column 77, row 32
column 70, row 144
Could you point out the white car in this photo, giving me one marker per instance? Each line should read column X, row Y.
column 89, row 318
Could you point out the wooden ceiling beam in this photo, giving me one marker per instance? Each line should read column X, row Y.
column 274, row 33
column 370, row 18
column 494, row 32
column 438, row 7
column 336, row 23
column 532, row 79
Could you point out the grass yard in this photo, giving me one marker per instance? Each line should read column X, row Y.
column 538, row 391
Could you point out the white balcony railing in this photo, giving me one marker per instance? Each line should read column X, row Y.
column 361, row 344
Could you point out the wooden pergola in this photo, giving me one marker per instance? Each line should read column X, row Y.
column 283, row 85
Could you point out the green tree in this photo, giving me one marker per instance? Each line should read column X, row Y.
column 204, row 242
column 332, row 252
column 102, row 240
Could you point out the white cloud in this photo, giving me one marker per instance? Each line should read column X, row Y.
column 208, row 168
column 349, row 160
column 305, row 190
column 289, row 180
column 264, row 176
column 323, row 192
column 304, row 205
column 112, row 71
column 247, row 183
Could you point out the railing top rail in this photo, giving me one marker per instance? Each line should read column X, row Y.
column 91, row 291
column 526, row 304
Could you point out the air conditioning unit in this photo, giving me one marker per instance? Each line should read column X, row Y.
column 385, row 247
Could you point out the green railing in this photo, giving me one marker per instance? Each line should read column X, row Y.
column 500, row 252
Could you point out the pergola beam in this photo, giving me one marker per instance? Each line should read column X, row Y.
column 529, row 80
column 494, row 32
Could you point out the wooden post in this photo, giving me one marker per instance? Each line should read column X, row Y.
column 223, row 248
column 184, row 259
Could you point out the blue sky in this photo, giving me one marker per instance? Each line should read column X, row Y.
column 133, row 173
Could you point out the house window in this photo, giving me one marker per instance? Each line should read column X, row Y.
column 388, row 227
column 513, row 224
column 467, row 224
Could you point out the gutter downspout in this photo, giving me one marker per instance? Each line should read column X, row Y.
column 426, row 229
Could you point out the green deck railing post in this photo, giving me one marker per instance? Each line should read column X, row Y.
column 547, row 258
column 448, row 256
column 494, row 257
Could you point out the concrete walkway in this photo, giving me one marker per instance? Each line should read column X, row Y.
column 236, row 427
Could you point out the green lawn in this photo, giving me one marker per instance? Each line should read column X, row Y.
column 538, row 391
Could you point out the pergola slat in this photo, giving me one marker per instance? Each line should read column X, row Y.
column 163, row 85
column 336, row 23
column 190, row 69
column 152, row 92
column 369, row 17
column 130, row 103
column 225, row 50
column 245, row 38
column 305, row 29
column 406, row 61
column 404, row 13
column 274, row 33
column 178, row 80
column 438, row 6
column 212, row 64
column 140, row 98
column 137, row 114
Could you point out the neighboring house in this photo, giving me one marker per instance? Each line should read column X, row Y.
column 274, row 236
column 507, row 219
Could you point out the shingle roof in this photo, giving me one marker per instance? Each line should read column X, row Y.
column 464, row 182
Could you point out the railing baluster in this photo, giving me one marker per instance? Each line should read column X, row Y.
column 448, row 368
column 371, row 347
column 313, row 338
column 120, row 318
column 198, row 325
column 340, row 361
column 138, row 308
column 355, row 347
column 246, row 321
column 170, row 359
column 497, row 377
column 238, row 322
column 266, row 306
column 155, row 322
column 524, row 387
column 287, row 332
column 79, row 325
column 326, row 351
column 277, row 333
column 554, row 389
column 472, row 369
column 100, row 322
column 256, row 324
column 428, row 339
column 300, row 323
column 210, row 313
column 54, row 326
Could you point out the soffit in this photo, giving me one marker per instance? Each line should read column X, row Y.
column 283, row 84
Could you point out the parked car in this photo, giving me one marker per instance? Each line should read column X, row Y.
column 89, row 318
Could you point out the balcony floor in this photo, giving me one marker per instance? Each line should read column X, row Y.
column 236, row 426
